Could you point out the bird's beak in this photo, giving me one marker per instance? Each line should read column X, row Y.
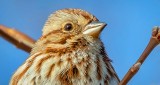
column 94, row 29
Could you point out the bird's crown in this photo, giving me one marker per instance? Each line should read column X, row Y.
column 65, row 18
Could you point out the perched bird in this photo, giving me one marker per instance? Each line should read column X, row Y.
column 69, row 52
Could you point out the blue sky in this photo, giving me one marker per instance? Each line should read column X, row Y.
column 130, row 23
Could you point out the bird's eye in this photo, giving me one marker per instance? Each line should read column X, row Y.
column 68, row 27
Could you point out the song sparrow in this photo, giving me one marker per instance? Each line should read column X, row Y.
column 69, row 52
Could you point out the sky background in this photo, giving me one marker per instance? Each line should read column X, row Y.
column 129, row 29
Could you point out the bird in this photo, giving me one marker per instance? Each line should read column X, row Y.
column 69, row 52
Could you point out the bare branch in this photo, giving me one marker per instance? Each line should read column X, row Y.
column 154, row 41
column 19, row 39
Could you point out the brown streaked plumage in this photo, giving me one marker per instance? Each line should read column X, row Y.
column 68, row 53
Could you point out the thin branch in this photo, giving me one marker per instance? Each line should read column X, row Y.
column 19, row 39
column 154, row 41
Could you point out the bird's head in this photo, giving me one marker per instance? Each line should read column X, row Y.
column 73, row 22
column 70, row 26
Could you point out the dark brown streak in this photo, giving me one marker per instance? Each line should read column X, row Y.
column 50, row 33
column 73, row 46
column 99, row 69
column 106, row 81
column 69, row 59
column 60, row 51
column 40, row 62
column 61, row 41
column 65, row 80
column 87, row 69
column 19, row 76
column 105, row 56
column 105, row 59
column 50, row 70
column 107, row 65
column 57, row 32
column 59, row 62
column 86, row 15
column 72, row 72
column 75, row 72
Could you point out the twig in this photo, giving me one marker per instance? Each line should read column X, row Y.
column 154, row 41
column 19, row 39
